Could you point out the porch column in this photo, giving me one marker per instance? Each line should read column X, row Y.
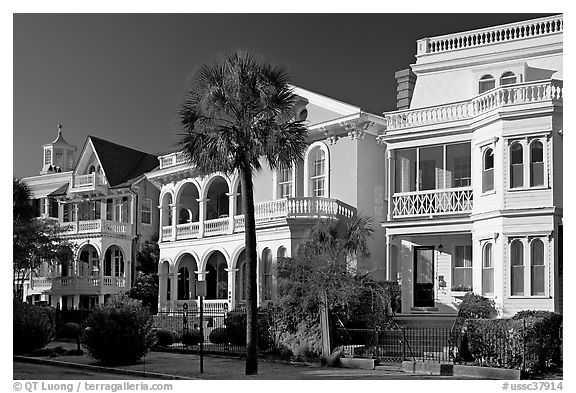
column 232, row 196
column 388, row 258
column 103, row 209
column 100, row 299
column 76, row 302
column 201, row 218
column 231, row 288
column 174, row 207
column 162, row 287
column 390, row 156
column 173, row 290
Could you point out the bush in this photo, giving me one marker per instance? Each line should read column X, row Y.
column 545, row 337
column 119, row 332
column 477, row 307
column 164, row 337
column 69, row 330
column 219, row 336
column 235, row 323
column 531, row 343
column 191, row 337
column 33, row 326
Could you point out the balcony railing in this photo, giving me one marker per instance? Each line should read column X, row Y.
column 264, row 212
column 87, row 283
column 432, row 202
column 491, row 35
column 96, row 226
column 41, row 282
column 503, row 96
column 172, row 159
column 88, row 182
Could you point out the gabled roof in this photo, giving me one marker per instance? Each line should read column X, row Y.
column 60, row 190
column 120, row 163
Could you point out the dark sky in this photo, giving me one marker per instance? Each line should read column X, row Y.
column 121, row 76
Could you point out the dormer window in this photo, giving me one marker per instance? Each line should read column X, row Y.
column 486, row 83
column 47, row 157
column 508, row 78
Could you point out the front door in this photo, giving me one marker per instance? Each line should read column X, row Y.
column 423, row 276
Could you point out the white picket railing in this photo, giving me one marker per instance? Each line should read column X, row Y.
column 91, row 226
column 172, row 159
column 491, row 35
column 219, row 226
column 503, row 96
column 188, row 230
column 432, row 202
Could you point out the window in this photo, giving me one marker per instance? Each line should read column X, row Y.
column 285, row 182
column 461, row 172
column 47, row 157
column 488, row 171
column 486, row 83
column 537, row 268
column 267, row 274
column 516, row 166
column 146, row 211
column 487, row 270
column 109, row 209
column 53, row 208
column 118, row 263
column 507, row 78
column 517, row 267
column 242, row 284
column 462, row 271
column 318, row 178
column 183, row 284
column 536, row 164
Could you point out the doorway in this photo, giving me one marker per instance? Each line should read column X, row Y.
column 423, row 276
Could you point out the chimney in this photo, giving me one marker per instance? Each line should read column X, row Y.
column 405, row 81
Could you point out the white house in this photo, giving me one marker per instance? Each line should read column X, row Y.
column 474, row 163
column 104, row 202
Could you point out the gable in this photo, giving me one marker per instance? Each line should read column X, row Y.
column 322, row 109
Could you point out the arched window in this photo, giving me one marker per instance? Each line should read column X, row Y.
column 47, row 157
column 316, row 171
column 91, row 169
column 537, row 268
column 488, row 171
column 183, row 284
column 487, row 270
column 486, row 83
column 516, row 166
column 281, row 252
column 267, row 274
column 517, row 266
column 508, row 78
column 536, row 164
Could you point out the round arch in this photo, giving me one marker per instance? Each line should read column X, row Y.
column 86, row 243
column 235, row 255
column 161, row 263
column 307, row 163
column 216, row 275
column 207, row 254
column 210, row 179
column 181, row 185
column 115, row 263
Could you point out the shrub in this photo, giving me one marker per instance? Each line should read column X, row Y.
column 119, row 332
column 69, row 330
column 235, row 323
column 545, row 337
column 164, row 337
column 219, row 336
column 33, row 326
column 191, row 337
column 526, row 343
column 477, row 307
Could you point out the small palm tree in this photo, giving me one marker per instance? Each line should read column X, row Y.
column 237, row 114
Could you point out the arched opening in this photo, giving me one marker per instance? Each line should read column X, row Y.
column 218, row 205
column 508, row 78
column 317, row 172
column 536, row 164
column 517, row 267
column 217, row 277
column 486, row 83
column 88, row 263
column 188, row 204
column 166, row 210
column 241, row 278
column 488, row 171
column 281, row 252
column 266, row 274
column 186, row 288
column 114, row 265
column 487, row 270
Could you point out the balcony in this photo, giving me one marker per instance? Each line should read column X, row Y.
column 172, row 159
column 547, row 91
column 41, row 283
column 88, row 284
column 96, row 226
column 491, row 35
column 432, row 203
column 89, row 183
column 264, row 212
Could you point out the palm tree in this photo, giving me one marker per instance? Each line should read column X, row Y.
column 237, row 114
column 21, row 201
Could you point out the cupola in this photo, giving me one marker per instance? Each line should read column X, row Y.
column 58, row 155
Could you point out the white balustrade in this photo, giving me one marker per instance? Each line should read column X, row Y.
column 239, row 223
column 491, row 35
column 166, row 231
column 115, row 227
column 218, row 306
column 503, row 96
column 173, row 159
column 108, row 281
column 218, row 226
column 83, row 180
column 432, row 202
column 188, row 230
column 89, row 226
column 167, row 161
column 66, row 281
column 41, row 282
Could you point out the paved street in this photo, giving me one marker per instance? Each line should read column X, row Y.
column 28, row 371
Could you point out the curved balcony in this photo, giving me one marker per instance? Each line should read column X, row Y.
column 503, row 96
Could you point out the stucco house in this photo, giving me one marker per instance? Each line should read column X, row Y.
column 105, row 204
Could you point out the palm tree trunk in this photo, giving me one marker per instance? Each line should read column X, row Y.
column 251, row 262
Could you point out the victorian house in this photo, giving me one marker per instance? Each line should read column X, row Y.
column 106, row 207
column 474, row 170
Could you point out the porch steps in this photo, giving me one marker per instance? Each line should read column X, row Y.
column 425, row 320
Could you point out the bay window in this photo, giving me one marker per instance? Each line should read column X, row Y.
column 517, row 267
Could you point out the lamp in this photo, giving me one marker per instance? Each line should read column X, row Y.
column 440, row 248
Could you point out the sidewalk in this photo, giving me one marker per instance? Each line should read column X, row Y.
column 222, row 368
